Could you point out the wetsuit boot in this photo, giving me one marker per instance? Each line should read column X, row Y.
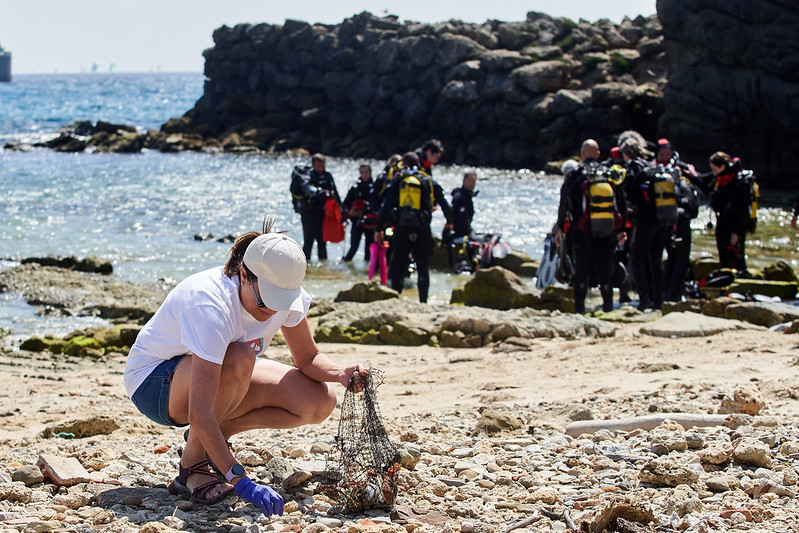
column 580, row 292
column 607, row 297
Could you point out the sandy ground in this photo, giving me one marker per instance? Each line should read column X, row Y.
column 629, row 374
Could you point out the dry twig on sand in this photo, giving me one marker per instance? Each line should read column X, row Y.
column 647, row 423
column 564, row 515
column 523, row 522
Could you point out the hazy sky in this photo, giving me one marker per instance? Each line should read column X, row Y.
column 169, row 35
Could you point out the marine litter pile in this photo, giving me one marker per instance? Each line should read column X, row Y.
column 363, row 467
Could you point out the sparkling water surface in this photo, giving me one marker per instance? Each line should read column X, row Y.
column 34, row 106
column 142, row 211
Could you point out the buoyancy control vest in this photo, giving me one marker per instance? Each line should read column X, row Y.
column 662, row 195
column 663, row 188
column 749, row 179
column 687, row 199
column 601, row 215
column 411, row 208
column 300, row 188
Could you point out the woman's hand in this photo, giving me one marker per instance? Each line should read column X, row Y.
column 265, row 497
column 355, row 377
column 733, row 239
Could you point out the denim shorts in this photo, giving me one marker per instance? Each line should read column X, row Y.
column 152, row 396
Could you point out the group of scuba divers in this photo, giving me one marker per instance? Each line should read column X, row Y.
column 620, row 215
column 616, row 218
column 395, row 208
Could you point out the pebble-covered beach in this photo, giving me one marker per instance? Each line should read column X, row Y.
column 484, row 435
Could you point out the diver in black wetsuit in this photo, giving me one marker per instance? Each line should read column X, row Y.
column 594, row 251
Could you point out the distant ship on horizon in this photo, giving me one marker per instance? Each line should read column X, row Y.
column 5, row 65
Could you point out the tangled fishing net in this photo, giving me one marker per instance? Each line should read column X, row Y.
column 363, row 466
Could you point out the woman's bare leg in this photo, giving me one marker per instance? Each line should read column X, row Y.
column 235, row 375
column 280, row 396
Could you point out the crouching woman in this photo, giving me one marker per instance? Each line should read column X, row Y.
column 196, row 362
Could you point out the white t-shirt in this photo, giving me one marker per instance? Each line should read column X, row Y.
column 203, row 315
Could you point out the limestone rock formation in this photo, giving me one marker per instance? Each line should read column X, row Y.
column 500, row 93
column 733, row 81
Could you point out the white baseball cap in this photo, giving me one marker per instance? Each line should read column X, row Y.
column 279, row 263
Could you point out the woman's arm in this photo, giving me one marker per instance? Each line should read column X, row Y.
column 310, row 361
column 202, row 403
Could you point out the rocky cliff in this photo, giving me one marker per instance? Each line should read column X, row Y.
column 510, row 94
column 733, row 71
column 514, row 94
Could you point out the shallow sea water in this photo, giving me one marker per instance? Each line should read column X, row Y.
column 142, row 211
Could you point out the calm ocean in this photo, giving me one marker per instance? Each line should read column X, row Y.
column 142, row 211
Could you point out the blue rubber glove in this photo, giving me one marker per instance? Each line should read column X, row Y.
column 264, row 497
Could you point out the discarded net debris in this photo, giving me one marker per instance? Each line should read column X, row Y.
column 363, row 466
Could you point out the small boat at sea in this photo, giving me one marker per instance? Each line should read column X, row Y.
column 5, row 65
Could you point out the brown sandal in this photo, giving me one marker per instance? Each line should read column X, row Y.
column 179, row 485
column 214, row 469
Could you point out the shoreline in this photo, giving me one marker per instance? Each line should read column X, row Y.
column 64, row 297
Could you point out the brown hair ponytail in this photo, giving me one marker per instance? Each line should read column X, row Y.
column 240, row 245
column 237, row 252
